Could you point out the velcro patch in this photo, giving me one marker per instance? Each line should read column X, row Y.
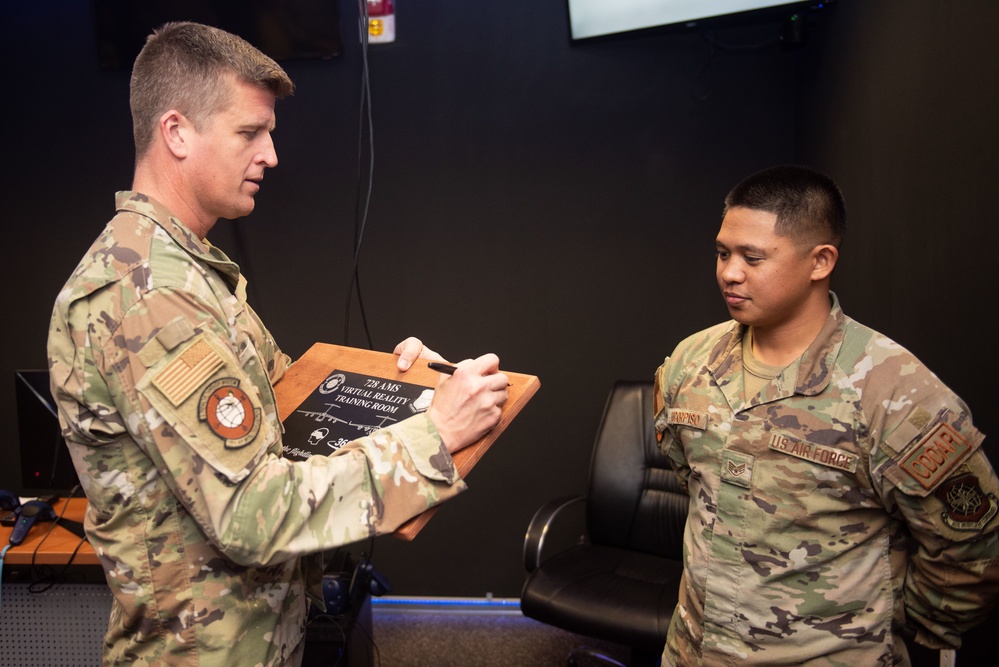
column 936, row 455
column 737, row 468
column 809, row 451
column 678, row 417
column 192, row 368
column 968, row 507
column 177, row 332
column 920, row 418
column 229, row 413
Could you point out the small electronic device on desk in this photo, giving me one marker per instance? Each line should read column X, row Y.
column 41, row 523
column 36, row 541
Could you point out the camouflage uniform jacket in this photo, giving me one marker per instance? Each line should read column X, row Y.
column 845, row 506
column 163, row 378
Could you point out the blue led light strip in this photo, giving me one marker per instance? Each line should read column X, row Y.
column 447, row 603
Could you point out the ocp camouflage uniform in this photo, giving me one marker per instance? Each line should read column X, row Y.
column 845, row 506
column 163, row 376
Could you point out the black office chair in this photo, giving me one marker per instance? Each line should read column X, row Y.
column 620, row 582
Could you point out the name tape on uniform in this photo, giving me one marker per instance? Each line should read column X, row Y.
column 678, row 417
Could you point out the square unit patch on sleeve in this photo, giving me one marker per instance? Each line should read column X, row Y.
column 936, row 455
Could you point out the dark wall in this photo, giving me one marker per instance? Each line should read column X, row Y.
column 899, row 104
column 553, row 203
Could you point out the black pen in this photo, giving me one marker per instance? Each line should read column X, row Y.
column 447, row 369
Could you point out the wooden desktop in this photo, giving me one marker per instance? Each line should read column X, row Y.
column 42, row 547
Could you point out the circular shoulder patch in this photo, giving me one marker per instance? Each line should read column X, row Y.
column 229, row 413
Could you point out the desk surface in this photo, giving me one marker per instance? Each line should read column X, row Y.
column 55, row 549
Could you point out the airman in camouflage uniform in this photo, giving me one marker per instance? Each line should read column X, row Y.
column 842, row 506
column 163, row 376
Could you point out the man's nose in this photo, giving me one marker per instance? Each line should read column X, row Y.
column 268, row 154
column 730, row 272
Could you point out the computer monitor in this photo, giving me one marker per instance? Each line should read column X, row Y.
column 46, row 466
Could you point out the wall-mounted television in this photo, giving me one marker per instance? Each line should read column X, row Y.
column 599, row 18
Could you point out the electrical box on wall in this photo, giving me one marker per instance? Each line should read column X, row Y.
column 381, row 21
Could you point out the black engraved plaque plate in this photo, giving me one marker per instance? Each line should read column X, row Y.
column 347, row 406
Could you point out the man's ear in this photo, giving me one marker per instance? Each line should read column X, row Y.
column 175, row 131
column 824, row 259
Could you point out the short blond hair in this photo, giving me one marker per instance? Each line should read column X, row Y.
column 184, row 66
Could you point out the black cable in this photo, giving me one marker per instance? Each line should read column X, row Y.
column 371, row 640
column 370, row 556
column 41, row 584
column 361, row 209
column 348, row 620
column 344, row 637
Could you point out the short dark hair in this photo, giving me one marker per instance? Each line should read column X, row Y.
column 184, row 66
column 809, row 206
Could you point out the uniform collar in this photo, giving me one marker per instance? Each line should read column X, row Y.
column 203, row 251
column 813, row 367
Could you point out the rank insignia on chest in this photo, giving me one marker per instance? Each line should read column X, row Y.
column 229, row 413
column 737, row 468
column 967, row 506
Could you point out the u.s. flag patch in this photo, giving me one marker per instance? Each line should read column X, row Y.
column 188, row 371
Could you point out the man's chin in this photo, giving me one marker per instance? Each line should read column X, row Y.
column 740, row 316
column 238, row 212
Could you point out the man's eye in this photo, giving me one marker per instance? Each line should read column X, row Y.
column 722, row 254
column 753, row 260
column 249, row 134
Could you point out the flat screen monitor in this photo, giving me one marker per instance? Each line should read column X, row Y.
column 596, row 18
column 46, row 466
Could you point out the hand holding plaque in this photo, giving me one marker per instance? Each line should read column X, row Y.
column 333, row 394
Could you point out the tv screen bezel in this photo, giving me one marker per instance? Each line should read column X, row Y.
column 773, row 9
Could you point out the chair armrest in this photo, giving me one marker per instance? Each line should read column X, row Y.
column 541, row 522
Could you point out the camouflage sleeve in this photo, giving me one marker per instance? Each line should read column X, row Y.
column 371, row 486
column 669, row 443
column 200, row 405
column 943, row 486
column 279, row 366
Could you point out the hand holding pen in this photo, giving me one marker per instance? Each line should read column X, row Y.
column 467, row 404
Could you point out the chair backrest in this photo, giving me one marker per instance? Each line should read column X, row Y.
column 634, row 499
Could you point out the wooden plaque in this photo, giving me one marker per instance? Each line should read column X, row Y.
column 316, row 365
